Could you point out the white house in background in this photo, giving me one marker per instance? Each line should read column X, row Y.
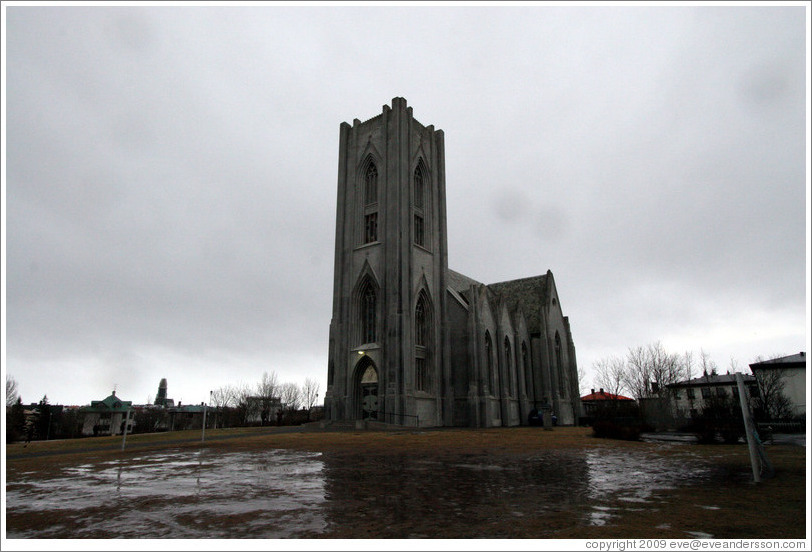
column 792, row 371
column 106, row 417
column 691, row 396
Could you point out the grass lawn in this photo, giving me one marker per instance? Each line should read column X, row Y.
column 726, row 504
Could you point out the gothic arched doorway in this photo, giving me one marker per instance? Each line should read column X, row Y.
column 366, row 390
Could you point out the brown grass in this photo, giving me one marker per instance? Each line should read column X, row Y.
column 733, row 507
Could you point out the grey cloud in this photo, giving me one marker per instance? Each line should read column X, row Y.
column 171, row 175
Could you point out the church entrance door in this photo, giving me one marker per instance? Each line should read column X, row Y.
column 367, row 389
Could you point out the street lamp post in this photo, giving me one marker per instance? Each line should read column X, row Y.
column 126, row 423
column 211, row 399
column 203, row 434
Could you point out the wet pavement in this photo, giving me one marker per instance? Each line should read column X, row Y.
column 794, row 439
column 211, row 493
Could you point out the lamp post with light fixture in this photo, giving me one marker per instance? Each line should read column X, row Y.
column 203, row 434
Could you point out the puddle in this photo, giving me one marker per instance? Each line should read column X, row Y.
column 663, row 526
column 289, row 494
column 177, row 494
column 600, row 515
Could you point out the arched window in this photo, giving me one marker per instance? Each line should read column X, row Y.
column 331, row 367
column 419, row 215
column 418, row 188
column 367, row 311
column 508, row 368
column 421, row 376
column 419, row 230
column 369, row 232
column 371, row 185
column 422, row 340
column 489, row 364
column 559, row 366
column 420, row 330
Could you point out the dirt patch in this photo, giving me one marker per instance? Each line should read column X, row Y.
column 456, row 483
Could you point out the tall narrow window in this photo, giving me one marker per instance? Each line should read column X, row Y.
column 489, row 364
column 420, row 323
column 371, row 228
column 418, row 188
column 422, row 340
column 418, row 230
column 369, row 231
column 421, row 378
column 371, row 185
column 559, row 366
column 368, row 312
column 508, row 368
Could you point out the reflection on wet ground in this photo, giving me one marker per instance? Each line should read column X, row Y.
column 282, row 493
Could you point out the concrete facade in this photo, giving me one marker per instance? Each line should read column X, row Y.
column 792, row 372
column 106, row 417
column 412, row 342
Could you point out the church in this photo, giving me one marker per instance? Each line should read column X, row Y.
column 412, row 342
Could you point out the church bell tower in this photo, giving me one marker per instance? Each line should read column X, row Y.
column 387, row 354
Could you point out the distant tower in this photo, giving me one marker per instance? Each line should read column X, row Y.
column 160, row 399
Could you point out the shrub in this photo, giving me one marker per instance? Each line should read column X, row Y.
column 626, row 429
column 720, row 418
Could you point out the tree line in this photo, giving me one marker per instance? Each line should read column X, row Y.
column 645, row 370
column 646, row 373
column 268, row 402
column 245, row 404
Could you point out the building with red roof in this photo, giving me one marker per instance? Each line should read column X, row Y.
column 595, row 402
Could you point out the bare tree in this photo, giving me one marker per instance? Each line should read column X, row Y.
column 636, row 376
column 708, row 366
column 734, row 365
column 664, row 368
column 12, row 392
column 648, row 373
column 268, row 385
column 221, row 399
column 291, row 396
column 310, row 392
column 246, row 406
column 771, row 401
column 227, row 395
column 582, row 383
column 268, row 391
column 688, row 364
column 610, row 374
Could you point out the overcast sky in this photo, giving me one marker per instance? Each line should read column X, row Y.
column 170, row 178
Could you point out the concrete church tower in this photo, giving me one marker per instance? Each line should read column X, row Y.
column 386, row 354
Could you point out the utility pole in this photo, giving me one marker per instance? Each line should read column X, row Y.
column 211, row 399
column 124, row 433
column 758, row 458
